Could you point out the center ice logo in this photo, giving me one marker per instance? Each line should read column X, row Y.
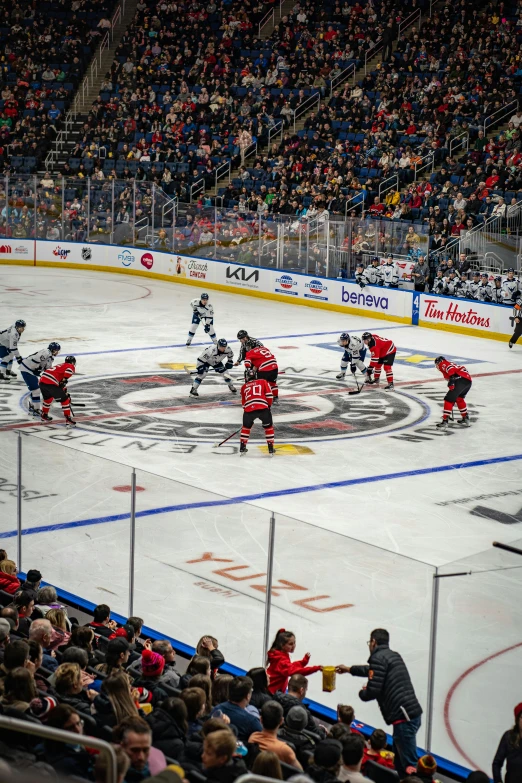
column 316, row 290
column 286, row 283
column 157, row 407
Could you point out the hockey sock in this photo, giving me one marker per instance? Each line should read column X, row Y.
column 46, row 406
column 448, row 407
column 269, row 433
column 389, row 374
column 191, row 334
column 274, row 389
column 377, row 373
column 35, row 401
column 463, row 408
column 244, row 436
column 212, row 334
column 66, row 407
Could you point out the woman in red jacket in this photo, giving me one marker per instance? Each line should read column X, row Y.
column 9, row 582
column 280, row 667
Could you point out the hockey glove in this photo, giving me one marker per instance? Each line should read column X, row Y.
column 353, row 368
column 19, row 359
column 228, row 365
column 341, row 375
column 220, row 368
column 362, row 285
column 207, row 328
column 62, row 384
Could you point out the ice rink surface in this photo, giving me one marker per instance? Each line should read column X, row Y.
column 368, row 497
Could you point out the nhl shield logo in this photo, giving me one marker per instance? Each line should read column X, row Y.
column 86, row 253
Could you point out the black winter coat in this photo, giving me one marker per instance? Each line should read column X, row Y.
column 166, row 734
column 512, row 755
column 227, row 774
column 287, row 701
column 390, row 684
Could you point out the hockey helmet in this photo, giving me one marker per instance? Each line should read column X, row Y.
column 54, row 347
column 476, row 274
column 20, row 324
column 438, row 360
column 242, row 334
column 203, row 296
column 250, row 374
column 222, row 343
column 70, row 360
column 510, row 270
column 375, row 258
column 344, row 339
column 485, row 274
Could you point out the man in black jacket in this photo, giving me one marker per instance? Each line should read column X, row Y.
column 390, row 684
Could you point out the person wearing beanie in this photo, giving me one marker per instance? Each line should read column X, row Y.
column 326, row 761
column 152, row 666
column 294, row 732
column 426, row 769
column 509, row 752
column 164, row 648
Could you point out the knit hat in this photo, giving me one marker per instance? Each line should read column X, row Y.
column 33, row 576
column 297, row 718
column 120, row 632
column 328, row 753
column 152, row 664
column 426, row 765
column 42, row 706
column 518, row 711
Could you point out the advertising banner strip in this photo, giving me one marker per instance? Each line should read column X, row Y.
column 437, row 312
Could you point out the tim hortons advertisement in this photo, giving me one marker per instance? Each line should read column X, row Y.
column 465, row 314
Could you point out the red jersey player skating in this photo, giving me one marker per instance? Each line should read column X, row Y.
column 266, row 365
column 382, row 352
column 53, row 386
column 256, row 397
column 459, row 384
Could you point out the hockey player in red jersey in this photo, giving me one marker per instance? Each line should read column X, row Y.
column 382, row 352
column 266, row 365
column 459, row 384
column 256, row 397
column 53, row 386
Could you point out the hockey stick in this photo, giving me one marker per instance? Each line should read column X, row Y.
column 217, row 445
column 359, row 388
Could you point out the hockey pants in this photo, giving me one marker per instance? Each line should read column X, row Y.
column 457, row 395
column 265, row 417
column 51, row 392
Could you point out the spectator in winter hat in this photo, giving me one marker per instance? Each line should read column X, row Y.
column 327, row 761
column 426, row 769
column 509, row 752
column 294, row 732
column 152, row 666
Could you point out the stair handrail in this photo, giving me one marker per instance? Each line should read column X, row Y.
column 462, row 140
column 196, row 188
column 424, row 163
column 345, row 74
column 267, row 18
column 393, row 182
column 223, row 170
column 306, row 106
column 510, row 107
column 410, row 19
column 371, row 52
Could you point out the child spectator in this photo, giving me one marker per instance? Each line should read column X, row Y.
column 208, row 648
column 280, row 667
column 375, row 750
column 426, row 769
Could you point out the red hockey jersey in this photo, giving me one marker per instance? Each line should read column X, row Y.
column 448, row 369
column 256, row 395
column 382, row 348
column 261, row 358
column 62, row 372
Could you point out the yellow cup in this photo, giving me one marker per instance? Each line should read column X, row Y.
column 328, row 679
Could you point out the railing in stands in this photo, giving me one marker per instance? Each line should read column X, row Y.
column 500, row 115
column 414, row 17
column 458, row 143
column 221, row 171
column 347, row 73
column 354, row 202
column 426, row 163
column 267, row 19
column 308, row 104
column 247, row 152
column 370, row 54
column 275, row 130
column 57, row 735
column 196, row 188
column 388, row 184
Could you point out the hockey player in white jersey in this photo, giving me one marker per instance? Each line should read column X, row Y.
column 511, row 288
column 220, row 358
column 439, row 283
column 497, row 294
column 472, row 286
column 454, row 285
column 390, row 275
column 9, row 339
column 484, row 289
column 32, row 366
column 372, row 273
column 354, row 354
column 202, row 311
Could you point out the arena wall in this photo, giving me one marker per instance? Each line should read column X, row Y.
column 439, row 312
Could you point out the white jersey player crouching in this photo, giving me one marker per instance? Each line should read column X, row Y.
column 32, row 367
column 202, row 311
column 219, row 357
column 354, row 354
column 9, row 339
